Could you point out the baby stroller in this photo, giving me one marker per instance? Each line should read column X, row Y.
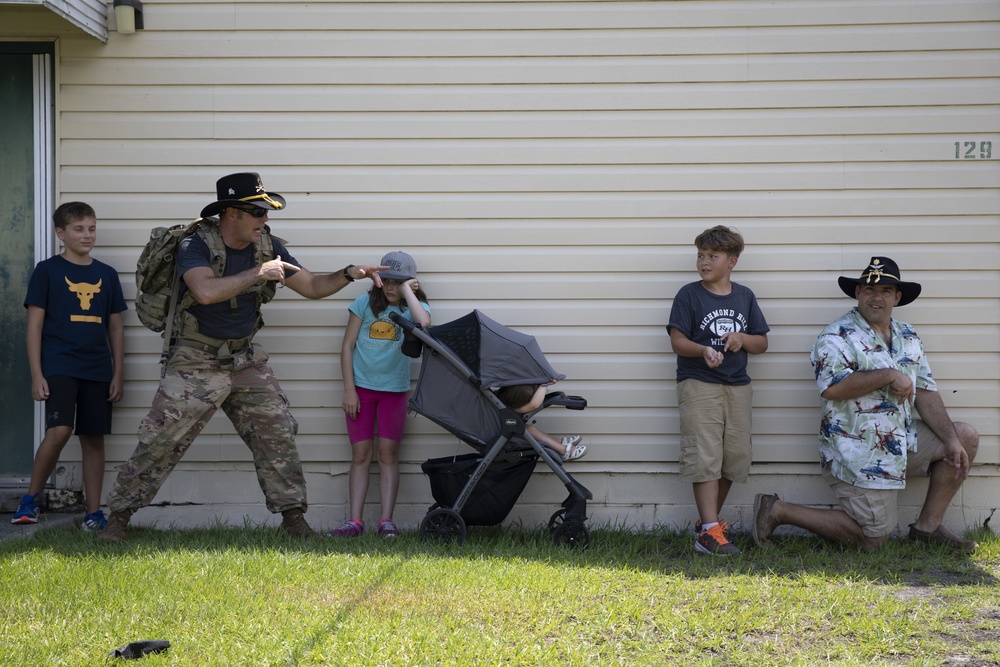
column 464, row 362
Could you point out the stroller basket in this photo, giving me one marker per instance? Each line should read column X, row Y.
column 494, row 495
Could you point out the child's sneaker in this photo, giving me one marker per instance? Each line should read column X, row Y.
column 713, row 541
column 574, row 450
column 386, row 528
column 95, row 521
column 722, row 522
column 350, row 528
column 27, row 510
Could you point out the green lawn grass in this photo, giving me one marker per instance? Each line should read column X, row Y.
column 252, row 596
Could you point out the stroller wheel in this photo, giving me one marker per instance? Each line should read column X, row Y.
column 572, row 534
column 443, row 524
column 557, row 519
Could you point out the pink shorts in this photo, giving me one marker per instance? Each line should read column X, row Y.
column 385, row 408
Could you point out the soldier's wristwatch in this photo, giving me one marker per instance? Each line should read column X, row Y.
column 347, row 274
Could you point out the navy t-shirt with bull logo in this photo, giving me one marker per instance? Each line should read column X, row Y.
column 78, row 302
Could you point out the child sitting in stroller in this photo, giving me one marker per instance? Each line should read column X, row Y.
column 525, row 398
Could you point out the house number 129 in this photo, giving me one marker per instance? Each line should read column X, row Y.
column 967, row 150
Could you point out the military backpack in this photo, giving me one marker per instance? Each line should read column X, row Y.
column 156, row 280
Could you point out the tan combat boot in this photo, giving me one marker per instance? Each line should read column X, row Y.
column 117, row 528
column 293, row 523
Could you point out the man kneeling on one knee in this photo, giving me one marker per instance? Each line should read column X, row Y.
column 872, row 373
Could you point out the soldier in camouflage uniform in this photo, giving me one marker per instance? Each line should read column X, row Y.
column 213, row 362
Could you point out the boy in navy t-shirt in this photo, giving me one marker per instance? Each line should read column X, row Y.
column 76, row 348
column 714, row 324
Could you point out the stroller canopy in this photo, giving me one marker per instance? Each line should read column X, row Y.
column 495, row 355
column 498, row 356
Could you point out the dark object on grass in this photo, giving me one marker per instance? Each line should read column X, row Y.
column 134, row 650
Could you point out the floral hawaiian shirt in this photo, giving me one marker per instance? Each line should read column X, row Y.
column 865, row 440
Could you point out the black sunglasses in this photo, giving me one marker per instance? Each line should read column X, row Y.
column 254, row 212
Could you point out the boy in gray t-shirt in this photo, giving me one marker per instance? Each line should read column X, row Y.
column 714, row 324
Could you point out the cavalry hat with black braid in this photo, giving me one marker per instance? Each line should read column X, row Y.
column 881, row 271
column 243, row 188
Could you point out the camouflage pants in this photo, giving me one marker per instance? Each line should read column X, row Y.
column 195, row 385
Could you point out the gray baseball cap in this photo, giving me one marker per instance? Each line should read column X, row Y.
column 401, row 266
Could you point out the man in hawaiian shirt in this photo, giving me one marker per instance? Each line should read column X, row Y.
column 872, row 373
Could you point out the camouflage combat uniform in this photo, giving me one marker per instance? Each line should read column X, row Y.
column 203, row 373
column 196, row 384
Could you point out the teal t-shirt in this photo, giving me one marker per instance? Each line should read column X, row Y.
column 379, row 363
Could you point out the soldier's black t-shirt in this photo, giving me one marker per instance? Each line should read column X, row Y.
column 223, row 320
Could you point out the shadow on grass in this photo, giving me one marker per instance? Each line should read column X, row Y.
column 658, row 551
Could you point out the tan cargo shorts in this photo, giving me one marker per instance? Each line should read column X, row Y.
column 715, row 431
column 875, row 509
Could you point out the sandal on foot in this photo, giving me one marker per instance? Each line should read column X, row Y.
column 574, row 452
column 571, row 441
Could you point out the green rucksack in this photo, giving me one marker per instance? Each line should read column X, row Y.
column 156, row 280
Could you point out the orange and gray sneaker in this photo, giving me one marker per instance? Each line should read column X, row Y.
column 722, row 522
column 713, row 541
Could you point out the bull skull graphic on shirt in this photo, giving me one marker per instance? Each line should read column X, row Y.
column 85, row 292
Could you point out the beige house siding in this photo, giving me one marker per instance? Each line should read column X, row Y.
column 550, row 164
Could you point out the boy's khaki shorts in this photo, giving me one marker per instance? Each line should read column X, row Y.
column 715, row 431
column 875, row 509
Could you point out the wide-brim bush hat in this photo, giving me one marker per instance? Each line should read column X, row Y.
column 881, row 271
column 243, row 188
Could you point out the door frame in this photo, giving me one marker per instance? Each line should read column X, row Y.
column 43, row 179
column 44, row 127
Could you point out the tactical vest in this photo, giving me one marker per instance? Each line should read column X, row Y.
column 185, row 325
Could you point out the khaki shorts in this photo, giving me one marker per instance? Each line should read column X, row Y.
column 715, row 431
column 875, row 509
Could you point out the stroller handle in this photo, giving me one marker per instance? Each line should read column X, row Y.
column 402, row 321
column 569, row 402
column 412, row 335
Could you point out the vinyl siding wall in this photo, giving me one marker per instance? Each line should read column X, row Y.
column 550, row 164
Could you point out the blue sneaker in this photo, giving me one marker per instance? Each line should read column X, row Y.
column 95, row 521
column 27, row 511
